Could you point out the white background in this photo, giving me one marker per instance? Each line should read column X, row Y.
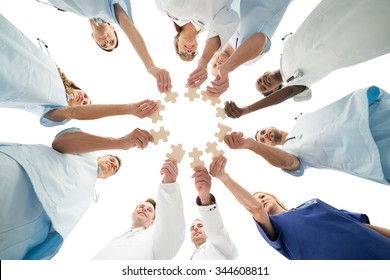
column 120, row 77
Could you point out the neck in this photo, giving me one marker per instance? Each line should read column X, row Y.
column 278, row 76
column 190, row 29
column 198, row 244
column 283, row 138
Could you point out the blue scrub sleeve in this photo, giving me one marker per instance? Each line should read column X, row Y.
column 363, row 218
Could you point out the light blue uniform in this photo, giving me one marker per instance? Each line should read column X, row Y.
column 259, row 16
column 43, row 195
column 29, row 79
column 351, row 135
column 98, row 10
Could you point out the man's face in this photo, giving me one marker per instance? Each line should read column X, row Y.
column 269, row 135
column 143, row 214
column 198, row 236
column 105, row 37
column 267, row 83
column 109, row 165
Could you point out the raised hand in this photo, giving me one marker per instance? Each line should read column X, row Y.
column 170, row 171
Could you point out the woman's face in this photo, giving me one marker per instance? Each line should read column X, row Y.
column 269, row 203
column 187, row 45
column 267, row 82
column 79, row 98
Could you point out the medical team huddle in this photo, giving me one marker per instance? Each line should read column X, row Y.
column 239, row 32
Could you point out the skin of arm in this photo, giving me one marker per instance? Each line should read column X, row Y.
column 248, row 50
column 202, row 184
column 273, row 155
column 142, row 109
column 135, row 38
column 80, row 142
column 384, row 231
column 199, row 75
column 217, row 169
column 233, row 111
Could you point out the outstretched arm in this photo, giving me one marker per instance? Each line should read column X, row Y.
column 212, row 219
column 170, row 224
column 135, row 38
column 217, row 169
column 78, row 142
column 273, row 155
column 248, row 50
column 199, row 75
column 279, row 96
column 141, row 109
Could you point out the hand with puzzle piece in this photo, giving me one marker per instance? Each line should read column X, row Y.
column 156, row 114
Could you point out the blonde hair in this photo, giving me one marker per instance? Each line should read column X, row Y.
column 68, row 84
column 275, row 198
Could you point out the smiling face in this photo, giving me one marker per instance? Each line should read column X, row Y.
column 143, row 215
column 105, row 36
column 270, row 203
column 268, row 82
column 269, row 135
column 198, row 235
column 79, row 97
column 108, row 165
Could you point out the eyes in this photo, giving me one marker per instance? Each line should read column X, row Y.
column 111, row 43
column 262, row 132
column 149, row 209
column 86, row 99
column 192, row 228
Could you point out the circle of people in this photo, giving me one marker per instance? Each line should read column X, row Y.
column 239, row 32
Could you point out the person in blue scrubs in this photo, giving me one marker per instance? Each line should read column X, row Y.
column 312, row 231
column 259, row 20
column 350, row 135
column 45, row 191
column 43, row 89
column 101, row 13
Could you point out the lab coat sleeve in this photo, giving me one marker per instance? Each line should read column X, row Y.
column 224, row 25
column 216, row 232
column 169, row 224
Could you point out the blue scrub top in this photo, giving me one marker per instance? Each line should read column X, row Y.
column 317, row 231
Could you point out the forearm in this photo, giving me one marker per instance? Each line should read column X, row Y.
column 211, row 46
column 88, row 112
column 275, row 156
column 248, row 50
column 81, row 142
column 170, row 232
column 276, row 98
column 134, row 37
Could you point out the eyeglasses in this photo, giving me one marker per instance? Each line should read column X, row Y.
column 193, row 54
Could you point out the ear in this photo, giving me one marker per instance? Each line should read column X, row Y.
column 93, row 37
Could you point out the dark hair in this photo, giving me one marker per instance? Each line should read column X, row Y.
column 179, row 29
column 119, row 162
column 153, row 202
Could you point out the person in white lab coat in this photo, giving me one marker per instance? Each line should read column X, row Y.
column 103, row 12
column 190, row 17
column 259, row 20
column 211, row 239
column 351, row 135
column 31, row 81
column 45, row 191
column 336, row 34
column 158, row 229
